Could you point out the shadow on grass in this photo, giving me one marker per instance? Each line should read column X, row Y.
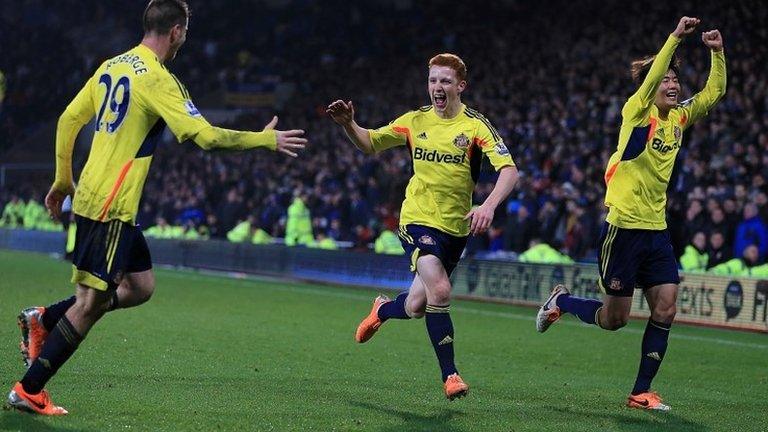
column 631, row 420
column 12, row 420
column 438, row 421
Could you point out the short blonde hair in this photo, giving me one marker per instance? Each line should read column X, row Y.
column 452, row 61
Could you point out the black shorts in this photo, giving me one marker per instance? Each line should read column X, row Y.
column 423, row 240
column 630, row 258
column 106, row 251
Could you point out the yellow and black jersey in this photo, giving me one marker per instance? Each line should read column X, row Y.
column 133, row 97
column 446, row 163
column 638, row 172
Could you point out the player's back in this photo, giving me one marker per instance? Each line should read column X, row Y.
column 126, row 93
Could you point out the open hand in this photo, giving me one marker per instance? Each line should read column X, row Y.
column 288, row 142
column 341, row 112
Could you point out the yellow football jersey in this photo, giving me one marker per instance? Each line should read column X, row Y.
column 638, row 172
column 446, row 156
column 133, row 97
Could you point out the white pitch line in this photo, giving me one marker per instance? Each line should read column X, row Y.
column 509, row 315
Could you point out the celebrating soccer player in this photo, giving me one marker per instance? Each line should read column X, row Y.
column 133, row 97
column 447, row 141
column 635, row 246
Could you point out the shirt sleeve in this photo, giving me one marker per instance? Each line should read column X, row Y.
column 165, row 96
column 394, row 134
column 699, row 105
column 492, row 145
column 75, row 116
column 638, row 106
column 169, row 99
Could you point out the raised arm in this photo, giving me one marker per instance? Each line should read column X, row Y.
column 639, row 104
column 75, row 116
column 714, row 90
column 343, row 113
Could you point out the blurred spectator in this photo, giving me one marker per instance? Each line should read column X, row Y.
column 560, row 123
column 751, row 231
column 717, row 252
column 695, row 257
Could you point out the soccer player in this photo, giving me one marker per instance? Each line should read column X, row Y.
column 635, row 246
column 133, row 97
column 447, row 141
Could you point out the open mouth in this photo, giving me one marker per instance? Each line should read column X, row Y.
column 440, row 100
column 672, row 95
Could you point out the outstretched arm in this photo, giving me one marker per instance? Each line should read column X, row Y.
column 163, row 95
column 698, row 106
column 343, row 113
column 287, row 142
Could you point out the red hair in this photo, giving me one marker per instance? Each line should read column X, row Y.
column 452, row 61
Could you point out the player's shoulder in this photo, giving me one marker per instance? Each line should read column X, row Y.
column 419, row 112
column 475, row 115
column 479, row 120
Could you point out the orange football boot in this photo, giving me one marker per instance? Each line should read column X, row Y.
column 455, row 387
column 34, row 403
column 371, row 323
column 33, row 333
column 649, row 400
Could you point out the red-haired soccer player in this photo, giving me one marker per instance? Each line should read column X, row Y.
column 447, row 141
column 636, row 249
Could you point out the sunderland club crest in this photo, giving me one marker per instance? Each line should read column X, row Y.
column 461, row 141
column 427, row 240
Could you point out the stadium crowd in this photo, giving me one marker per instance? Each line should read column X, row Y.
column 552, row 84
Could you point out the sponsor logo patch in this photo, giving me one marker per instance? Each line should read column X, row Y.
column 422, row 135
column 191, row 109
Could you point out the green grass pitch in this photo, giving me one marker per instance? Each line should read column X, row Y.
column 211, row 353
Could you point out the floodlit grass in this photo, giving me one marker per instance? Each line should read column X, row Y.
column 211, row 353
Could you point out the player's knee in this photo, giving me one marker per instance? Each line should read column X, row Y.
column 91, row 307
column 441, row 292
column 415, row 309
column 664, row 313
column 145, row 293
column 415, row 314
column 614, row 323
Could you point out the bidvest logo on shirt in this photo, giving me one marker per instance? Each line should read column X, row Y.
column 435, row 156
column 659, row 145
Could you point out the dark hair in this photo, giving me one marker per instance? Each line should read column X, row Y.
column 161, row 15
column 641, row 67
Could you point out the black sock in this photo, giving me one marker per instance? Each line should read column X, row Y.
column 395, row 308
column 654, row 347
column 54, row 312
column 60, row 344
column 440, row 329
